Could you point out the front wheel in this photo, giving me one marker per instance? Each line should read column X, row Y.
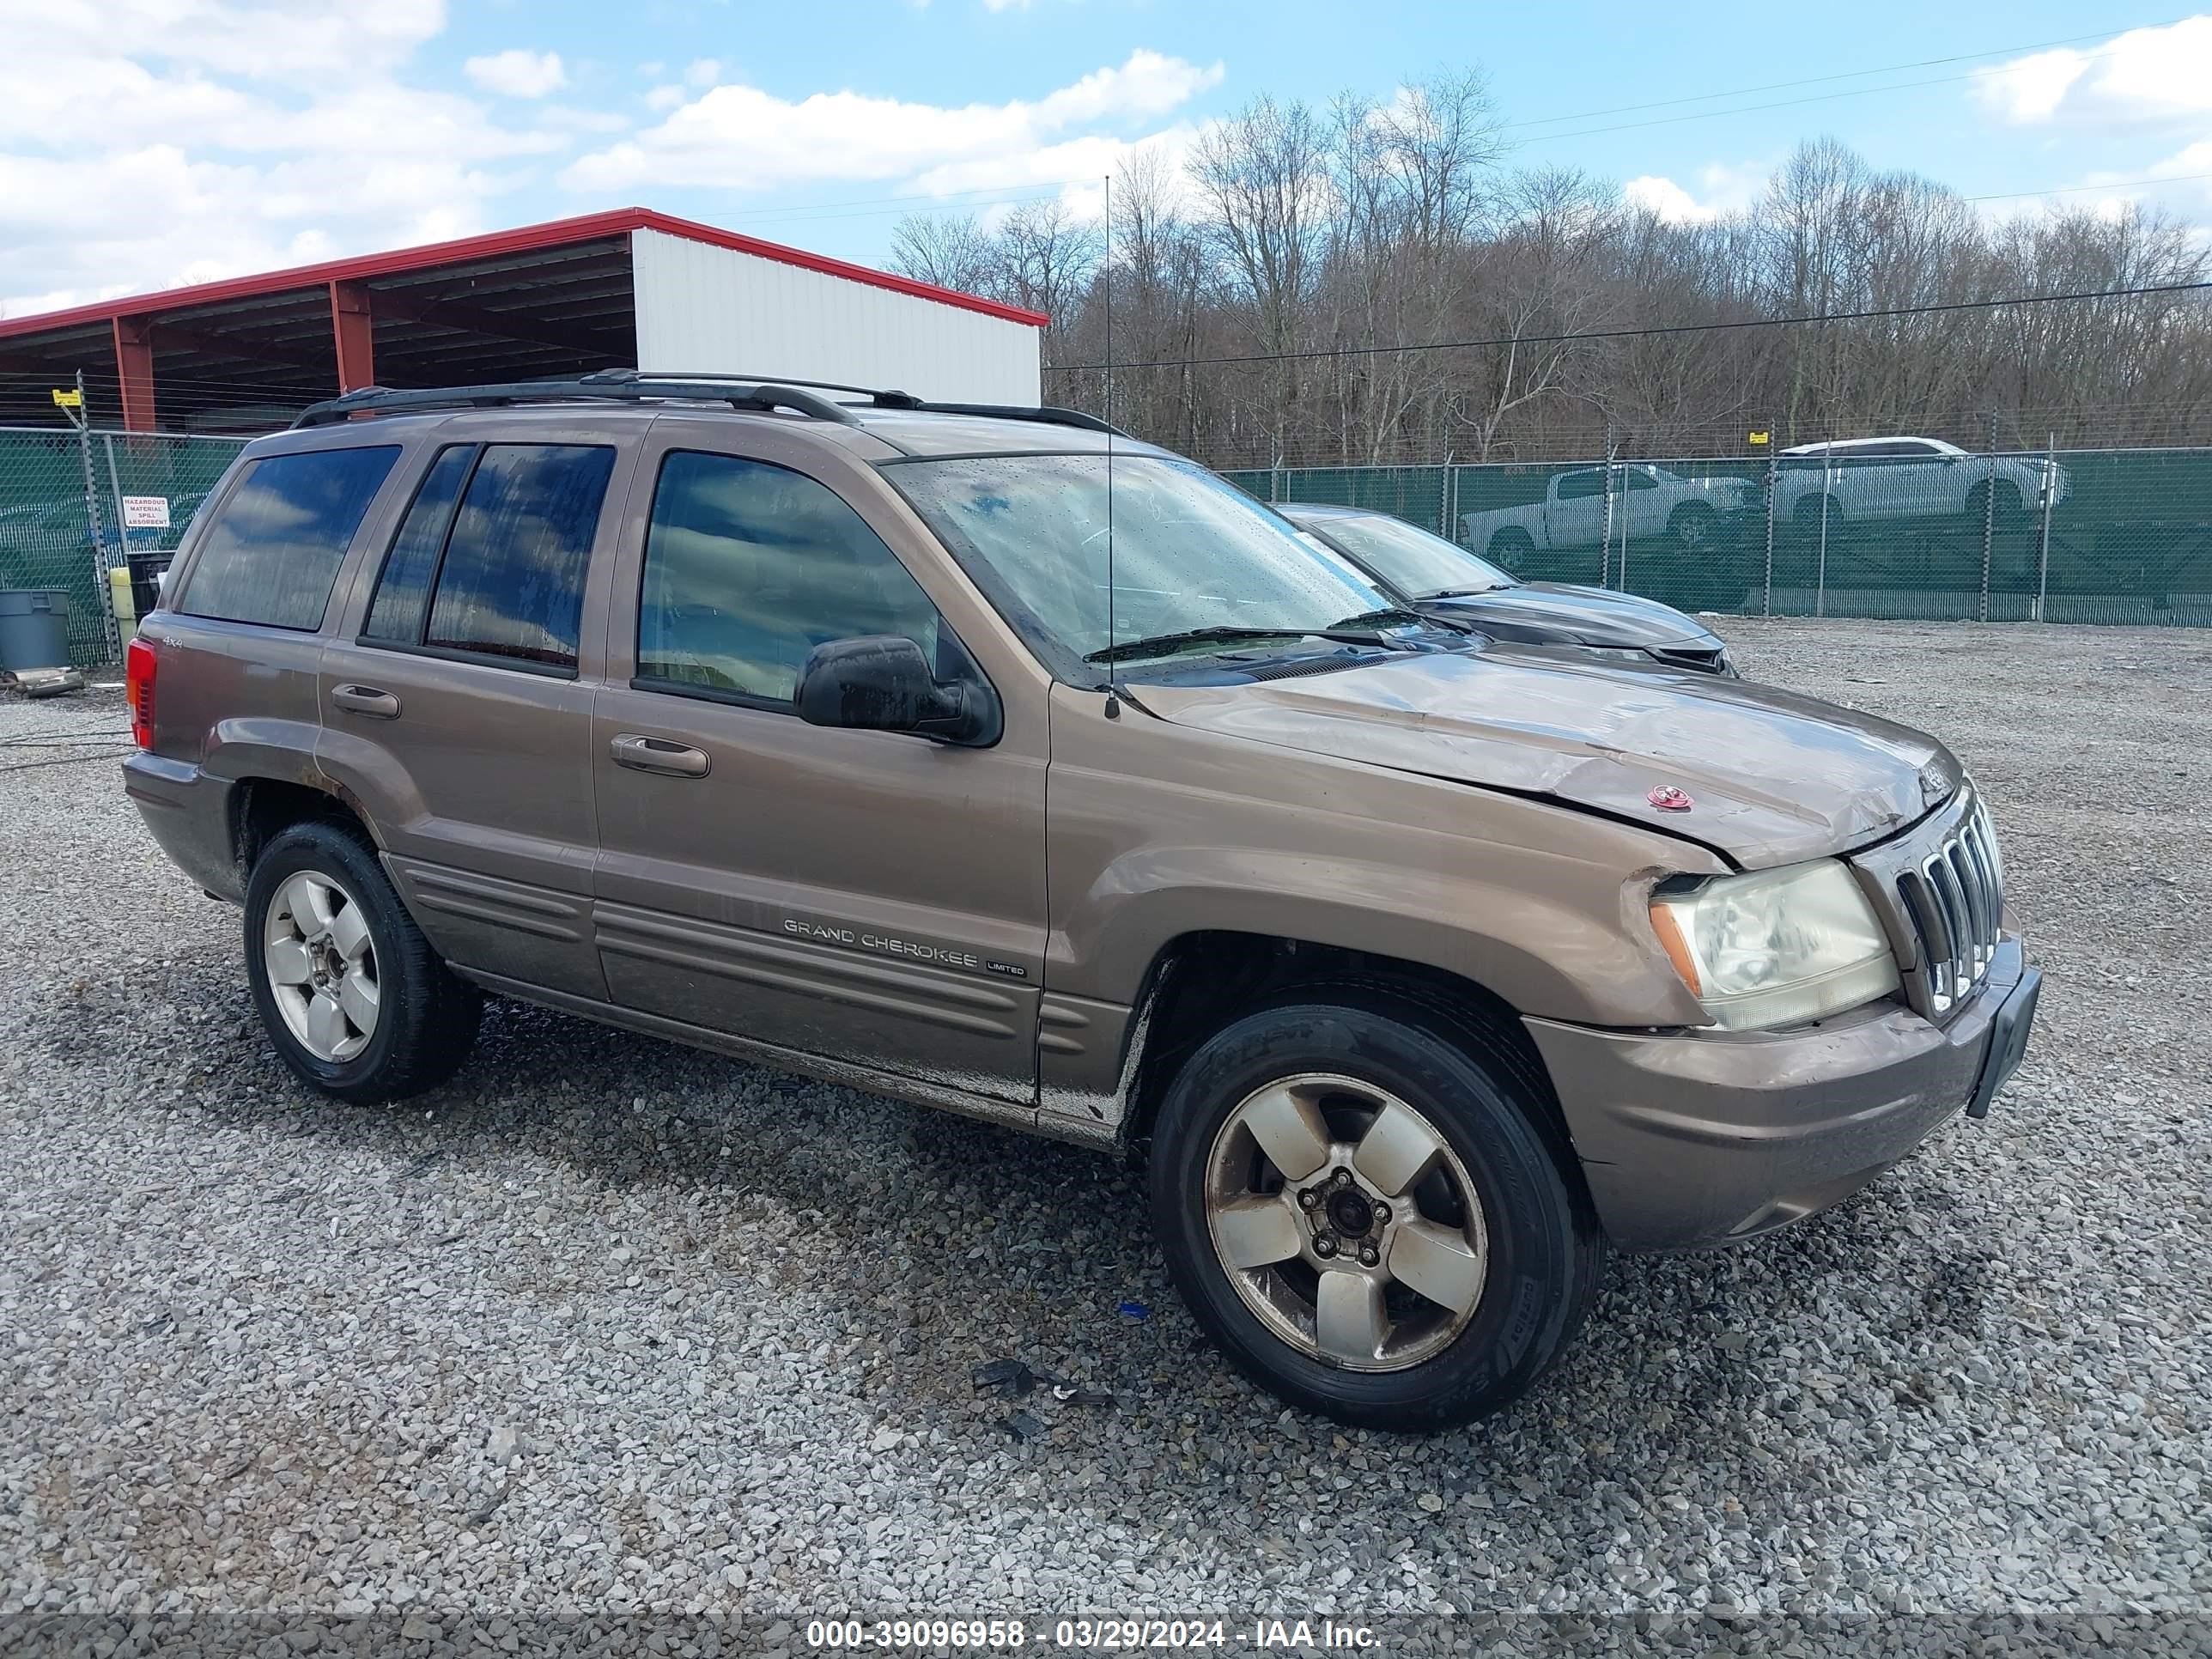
column 350, row 993
column 1364, row 1204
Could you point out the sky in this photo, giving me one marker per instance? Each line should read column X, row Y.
column 149, row 143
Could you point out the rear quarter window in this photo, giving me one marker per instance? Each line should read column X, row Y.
column 272, row 550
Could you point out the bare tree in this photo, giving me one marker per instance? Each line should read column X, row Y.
column 949, row 249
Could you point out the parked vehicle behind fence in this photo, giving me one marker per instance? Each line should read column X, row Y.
column 1863, row 481
column 1586, row 506
column 989, row 759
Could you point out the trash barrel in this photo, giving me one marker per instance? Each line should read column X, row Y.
column 34, row 629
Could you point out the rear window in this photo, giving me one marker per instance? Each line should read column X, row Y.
column 499, row 538
column 271, row 554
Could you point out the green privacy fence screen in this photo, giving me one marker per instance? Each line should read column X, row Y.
column 2067, row 536
column 74, row 505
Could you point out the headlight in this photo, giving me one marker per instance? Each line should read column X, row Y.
column 1776, row 947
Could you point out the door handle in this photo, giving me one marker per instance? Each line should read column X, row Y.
column 643, row 754
column 365, row 700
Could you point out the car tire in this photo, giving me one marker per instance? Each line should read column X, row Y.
column 2009, row 506
column 1809, row 510
column 352, row 995
column 1376, row 1049
column 1695, row 528
column 1511, row 549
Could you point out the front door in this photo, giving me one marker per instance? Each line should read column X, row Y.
column 869, row 896
column 456, row 701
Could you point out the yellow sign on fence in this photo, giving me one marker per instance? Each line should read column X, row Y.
column 1762, row 437
column 70, row 400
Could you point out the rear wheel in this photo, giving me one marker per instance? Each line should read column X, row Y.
column 349, row 990
column 1362, row 1202
column 1811, row 510
column 1999, row 501
column 1512, row 549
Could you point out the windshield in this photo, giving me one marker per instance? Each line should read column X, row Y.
column 1412, row 560
column 1190, row 552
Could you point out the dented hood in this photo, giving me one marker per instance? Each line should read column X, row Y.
column 1772, row 776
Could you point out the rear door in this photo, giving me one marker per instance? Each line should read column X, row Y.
column 870, row 897
column 456, row 702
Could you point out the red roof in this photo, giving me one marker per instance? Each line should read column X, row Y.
column 554, row 234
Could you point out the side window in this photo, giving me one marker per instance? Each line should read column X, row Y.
column 749, row 567
column 1573, row 486
column 506, row 577
column 396, row 614
column 1639, row 479
column 272, row 554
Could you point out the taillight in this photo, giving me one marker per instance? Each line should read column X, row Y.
column 138, row 664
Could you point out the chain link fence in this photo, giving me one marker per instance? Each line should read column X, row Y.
column 1905, row 529
column 74, row 505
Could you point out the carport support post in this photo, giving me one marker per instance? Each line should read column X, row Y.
column 353, row 333
column 134, row 371
column 2049, row 489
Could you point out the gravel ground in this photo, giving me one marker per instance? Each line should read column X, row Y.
column 609, row 1324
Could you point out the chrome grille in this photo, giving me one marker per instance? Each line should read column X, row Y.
column 1953, row 896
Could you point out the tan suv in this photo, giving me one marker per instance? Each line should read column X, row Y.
column 989, row 758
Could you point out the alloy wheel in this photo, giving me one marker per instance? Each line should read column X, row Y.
column 1345, row 1222
column 321, row 963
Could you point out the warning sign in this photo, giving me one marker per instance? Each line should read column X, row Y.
column 145, row 512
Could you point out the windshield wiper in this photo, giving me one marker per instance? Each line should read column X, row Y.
column 1462, row 592
column 1390, row 615
column 1157, row 644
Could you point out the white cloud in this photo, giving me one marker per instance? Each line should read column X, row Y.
column 665, row 97
column 2144, row 75
column 1002, row 5
column 702, row 71
column 1722, row 188
column 739, row 137
column 517, row 73
column 232, row 135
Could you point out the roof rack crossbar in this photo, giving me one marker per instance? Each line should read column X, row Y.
column 883, row 398
column 386, row 400
column 1046, row 414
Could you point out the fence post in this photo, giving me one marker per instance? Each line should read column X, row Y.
column 1766, row 603
column 1827, row 493
column 1444, row 500
column 82, row 421
column 1989, row 511
column 1605, row 533
column 2050, row 490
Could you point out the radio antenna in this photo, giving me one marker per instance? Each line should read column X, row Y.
column 1106, row 271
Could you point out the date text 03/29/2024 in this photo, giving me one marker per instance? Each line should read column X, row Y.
column 1101, row 1635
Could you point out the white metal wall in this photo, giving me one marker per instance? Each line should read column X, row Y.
column 714, row 310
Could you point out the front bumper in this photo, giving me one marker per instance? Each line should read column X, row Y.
column 1702, row 1139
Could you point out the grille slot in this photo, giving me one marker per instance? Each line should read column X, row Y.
column 1954, row 896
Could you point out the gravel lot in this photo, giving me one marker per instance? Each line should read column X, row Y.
column 609, row 1323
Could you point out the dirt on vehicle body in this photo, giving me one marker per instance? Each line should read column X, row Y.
column 995, row 761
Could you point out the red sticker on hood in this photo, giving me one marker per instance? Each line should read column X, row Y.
column 1667, row 799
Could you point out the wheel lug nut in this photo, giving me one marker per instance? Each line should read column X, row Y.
column 1325, row 1244
column 1342, row 1178
column 1309, row 1198
column 1381, row 1215
column 1368, row 1258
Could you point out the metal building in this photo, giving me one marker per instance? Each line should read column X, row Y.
column 625, row 288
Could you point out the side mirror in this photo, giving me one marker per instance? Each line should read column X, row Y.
column 882, row 683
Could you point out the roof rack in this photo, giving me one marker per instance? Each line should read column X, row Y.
column 385, row 400
column 1048, row 414
column 747, row 392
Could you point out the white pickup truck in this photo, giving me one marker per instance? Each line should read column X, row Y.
column 1647, row 500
